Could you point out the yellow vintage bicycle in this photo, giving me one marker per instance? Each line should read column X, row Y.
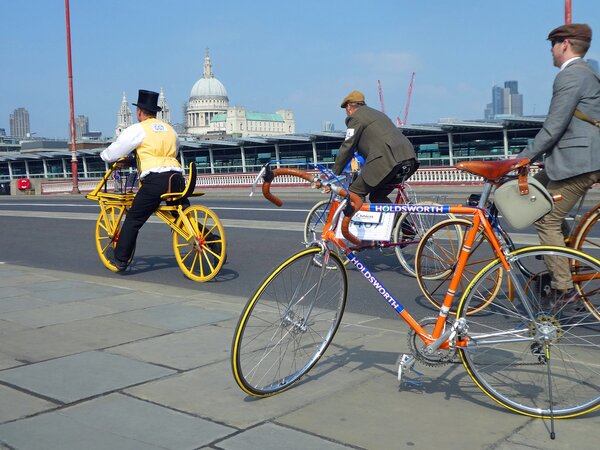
column 199, row 240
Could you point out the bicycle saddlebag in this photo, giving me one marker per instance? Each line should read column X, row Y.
column 521, row 205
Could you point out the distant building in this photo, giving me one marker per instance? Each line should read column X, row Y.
column 19, row 123
column 82, row 127
column 124, row 117
column 2, row 132
column 328, row 126
column 593, row 64
column 506, row 101
column 208, row 112
column 165, row 113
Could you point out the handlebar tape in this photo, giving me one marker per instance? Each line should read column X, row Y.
column 356, row 201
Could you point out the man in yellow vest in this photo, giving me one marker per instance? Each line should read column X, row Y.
column 155, row 144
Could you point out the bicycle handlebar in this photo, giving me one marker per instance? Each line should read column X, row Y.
column 317, row 183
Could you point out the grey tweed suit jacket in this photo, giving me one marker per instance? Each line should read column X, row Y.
column 571, row 145
column 375, row 137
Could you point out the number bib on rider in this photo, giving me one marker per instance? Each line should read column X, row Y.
column 369, row 226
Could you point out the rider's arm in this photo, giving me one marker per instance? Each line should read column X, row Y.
column 346, row 152
column 128, row 140
column 565, row 97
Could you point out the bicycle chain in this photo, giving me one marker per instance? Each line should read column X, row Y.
column 417, row 347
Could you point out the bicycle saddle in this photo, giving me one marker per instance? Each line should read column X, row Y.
column 492, row 170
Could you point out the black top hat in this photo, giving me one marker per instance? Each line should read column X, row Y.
column 148, row 101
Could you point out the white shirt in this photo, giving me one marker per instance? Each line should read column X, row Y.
column 130, row 139
column 568, row 61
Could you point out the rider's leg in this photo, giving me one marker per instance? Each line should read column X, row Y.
column 549, row 227
column 146, row 201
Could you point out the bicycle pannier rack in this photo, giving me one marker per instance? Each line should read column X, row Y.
column 523, row 201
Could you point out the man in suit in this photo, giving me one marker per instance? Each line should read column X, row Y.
column 386, row 151
column 569, row 139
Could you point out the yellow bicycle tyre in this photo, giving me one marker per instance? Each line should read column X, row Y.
column 200, row 246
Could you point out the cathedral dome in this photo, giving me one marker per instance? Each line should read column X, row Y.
column 208, row 88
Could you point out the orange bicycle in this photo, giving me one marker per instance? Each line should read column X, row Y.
column 534, row 357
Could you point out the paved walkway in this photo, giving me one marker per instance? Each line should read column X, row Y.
column 110, row 363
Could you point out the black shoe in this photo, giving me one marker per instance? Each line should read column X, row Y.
column 120, row 265
column 566, row 299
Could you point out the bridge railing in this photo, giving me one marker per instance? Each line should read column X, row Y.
column 424, row 176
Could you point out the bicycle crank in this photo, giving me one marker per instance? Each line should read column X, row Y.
column 419, row 349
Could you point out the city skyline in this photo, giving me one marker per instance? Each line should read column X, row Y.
column 305, row 60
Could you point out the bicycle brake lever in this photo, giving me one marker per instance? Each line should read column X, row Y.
column 263, row 170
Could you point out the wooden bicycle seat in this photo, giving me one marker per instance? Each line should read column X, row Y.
column 491, row 170
column 189, row 188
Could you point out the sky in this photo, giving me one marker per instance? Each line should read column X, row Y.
column 303, row 55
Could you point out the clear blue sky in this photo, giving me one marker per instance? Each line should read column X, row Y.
column 304, row 55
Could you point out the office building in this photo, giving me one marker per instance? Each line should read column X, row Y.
column 19, row 123
column 506, row 101
column 82, row 127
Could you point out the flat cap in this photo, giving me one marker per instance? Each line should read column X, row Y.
column 353, row 97
column 580, row 31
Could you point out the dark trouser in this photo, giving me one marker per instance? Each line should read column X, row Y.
column 380, row 193
column 146, row 201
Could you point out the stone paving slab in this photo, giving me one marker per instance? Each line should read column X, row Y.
column 132, row 423
column 155, row 373
column 81, row 376
column 174, row 317
column 33, row 345
column 15, row 404
column 184, row 350
column 20, row 303
column 54, row 314
column 103, row 332
column 275, row 437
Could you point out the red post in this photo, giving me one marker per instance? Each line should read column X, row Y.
column 567, row 11
column 72, row 109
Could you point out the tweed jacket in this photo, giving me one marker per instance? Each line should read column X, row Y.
column 571, row 145
column 375, row 137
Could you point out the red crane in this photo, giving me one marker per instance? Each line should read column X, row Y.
column 410, row 88
column 381, row 96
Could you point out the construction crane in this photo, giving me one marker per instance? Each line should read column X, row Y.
column 381, row 96
column 410, row 88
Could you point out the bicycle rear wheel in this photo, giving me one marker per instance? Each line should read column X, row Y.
column 534, row 354
column 288, row 323
column 437, row 257
column 409, row 230
column 201, row 251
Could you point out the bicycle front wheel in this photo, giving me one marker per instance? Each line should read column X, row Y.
column 289, row 322
column 535, row 353
column 108, row 227
column 200, row 248
column 315, row 221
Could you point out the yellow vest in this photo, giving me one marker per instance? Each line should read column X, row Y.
column 159, row 147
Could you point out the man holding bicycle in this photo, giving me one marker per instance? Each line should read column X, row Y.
column 569, row 139
column 155, row 144
column 387, row 152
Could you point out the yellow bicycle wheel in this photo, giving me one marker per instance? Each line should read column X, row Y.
column 199, row 243
column 108, row 227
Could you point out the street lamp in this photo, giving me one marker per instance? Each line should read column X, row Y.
column 72, row 109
